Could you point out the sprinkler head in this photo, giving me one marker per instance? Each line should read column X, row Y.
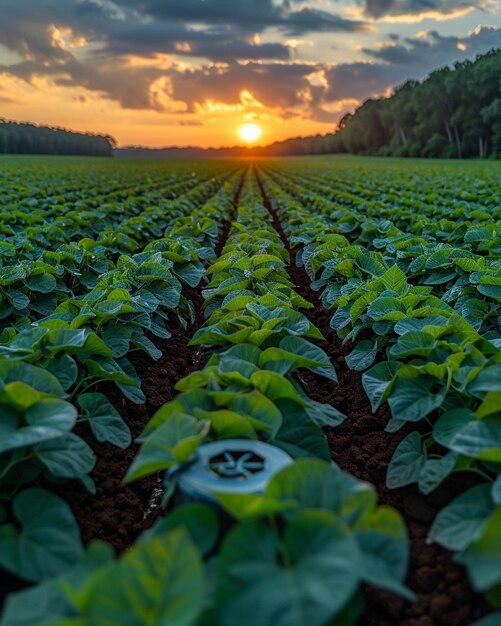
column 231, row 466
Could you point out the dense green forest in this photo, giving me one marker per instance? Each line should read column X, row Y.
column 454, row 113
column 25, row 138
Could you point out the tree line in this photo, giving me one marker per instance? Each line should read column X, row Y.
column 454, row 113
column 27, row 138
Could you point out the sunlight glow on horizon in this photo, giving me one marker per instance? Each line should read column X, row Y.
column 250, row 132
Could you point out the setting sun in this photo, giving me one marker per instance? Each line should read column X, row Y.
column 249, row 132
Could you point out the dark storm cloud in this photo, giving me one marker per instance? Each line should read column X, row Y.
column 221, row 50
column 277, row 85
column 434, row 50
column 360, row 80
column 247, row 15
column 272, row 84
column 402, row 59
column 217, row 44
column 218, row 30
column 309, row 20
column 394, row 8
column 27, row 27
column 130, row 86
column 119, row 31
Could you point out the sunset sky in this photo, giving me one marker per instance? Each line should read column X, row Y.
column 190, row 72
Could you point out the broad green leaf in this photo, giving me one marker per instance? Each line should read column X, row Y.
column 11, row 274
column 228, row 424
column 378, row 380
column 31, row 375
column 394, row 279
column 461, row 522
column 483, row 555
column 413, row 396
column 382, row 539
column 48, row 542
column 109, row 370
column 310, row 484
column 200, row 521
column 386, row 308
column 19, row 299
column 253, row 583
column 132, row 393
column 435, row 471
column 275, row 387
column 65, row 369
column 299, row 436
column 450, row 424
column 157, row 583
column 255, row 404
column 496, row 490
column 362, row 356
column 406, row 463
column 67, row 456
column 479, row 439
column 324, row 414
column 57, row 600
column 19, row 396
column 173, row 442
column 42, row 283
column 105, row 421
column 117, row 338
column 491, row 404
column 489, row 379
column 46, row 419
column 304, row 348
column 248, row 506
column 413, row 343
column 77, row 341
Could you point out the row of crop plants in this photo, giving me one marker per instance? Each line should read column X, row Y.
column 86, row 240
column 427, row 300
column 407, row 194
column 71, row 318
column 295, row 554
column 42, row 196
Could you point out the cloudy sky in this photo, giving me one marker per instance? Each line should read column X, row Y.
column 185, row 72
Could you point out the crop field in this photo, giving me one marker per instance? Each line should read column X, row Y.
column 320, row 336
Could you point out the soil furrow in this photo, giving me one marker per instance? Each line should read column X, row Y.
column 361, row 447
column 117, row 513
column 227, row 225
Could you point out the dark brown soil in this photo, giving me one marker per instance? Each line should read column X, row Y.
column 118, row 512
column 361, row 447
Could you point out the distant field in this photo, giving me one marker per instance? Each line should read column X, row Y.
column 340, row 309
